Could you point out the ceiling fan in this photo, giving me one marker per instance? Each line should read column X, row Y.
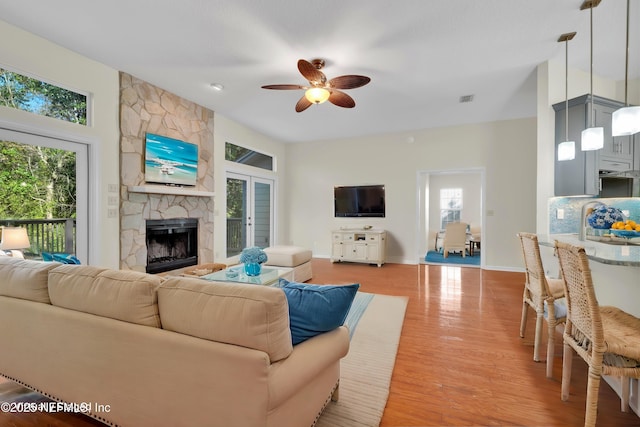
column 320, row 89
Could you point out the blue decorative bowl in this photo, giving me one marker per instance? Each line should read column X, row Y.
column 603, row 217
column 625, row 233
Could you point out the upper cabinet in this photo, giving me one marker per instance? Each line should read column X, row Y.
column 580, row 176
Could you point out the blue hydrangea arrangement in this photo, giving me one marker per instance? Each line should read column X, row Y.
column 604, row 216
column 253, row 255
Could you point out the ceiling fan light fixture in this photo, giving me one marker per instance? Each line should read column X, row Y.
column 317, row 95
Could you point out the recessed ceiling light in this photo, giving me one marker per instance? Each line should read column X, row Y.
column 216, row 86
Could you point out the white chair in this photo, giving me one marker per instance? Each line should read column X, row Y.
column 455, row 238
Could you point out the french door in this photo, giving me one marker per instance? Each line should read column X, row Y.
column 249, row 212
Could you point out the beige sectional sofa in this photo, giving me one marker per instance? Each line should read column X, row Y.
column 145, row 351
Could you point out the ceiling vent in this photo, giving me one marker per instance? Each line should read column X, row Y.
column 466, row 98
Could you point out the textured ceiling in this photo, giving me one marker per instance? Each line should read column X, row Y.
column 421, row 55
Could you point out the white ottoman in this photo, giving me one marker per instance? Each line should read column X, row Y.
column 292, row 257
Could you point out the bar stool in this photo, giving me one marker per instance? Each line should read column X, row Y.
column 607, row 338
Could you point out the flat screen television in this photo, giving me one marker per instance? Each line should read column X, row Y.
column 170, row 161
column 359, row 201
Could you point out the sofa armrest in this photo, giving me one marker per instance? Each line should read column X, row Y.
column 307, row 360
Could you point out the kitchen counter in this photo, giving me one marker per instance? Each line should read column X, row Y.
column 605, row 253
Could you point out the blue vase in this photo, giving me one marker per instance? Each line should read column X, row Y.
column 252, row 268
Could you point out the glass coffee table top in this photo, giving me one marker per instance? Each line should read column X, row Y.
column 236, row 274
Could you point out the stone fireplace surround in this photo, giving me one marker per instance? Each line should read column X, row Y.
column 147, row 108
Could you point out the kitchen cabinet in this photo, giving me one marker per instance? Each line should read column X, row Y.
column 366, row 246
column 580, row 176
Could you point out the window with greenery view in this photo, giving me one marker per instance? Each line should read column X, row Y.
column 450, row 206
column 246, row 156
column 28, row 94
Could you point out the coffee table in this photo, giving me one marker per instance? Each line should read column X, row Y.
column 268, row 277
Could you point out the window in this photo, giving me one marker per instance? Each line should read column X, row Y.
column 246, row 156
column 450, row 206
column 32, row 95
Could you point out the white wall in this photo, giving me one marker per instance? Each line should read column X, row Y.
column 505, row 149
column 27, row 54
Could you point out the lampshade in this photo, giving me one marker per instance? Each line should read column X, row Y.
column 592, row 139
column 626, row 120
column 317, row 95
column 14, row 238
column 566, row 151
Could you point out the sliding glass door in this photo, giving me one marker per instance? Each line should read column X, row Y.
column 45, row 187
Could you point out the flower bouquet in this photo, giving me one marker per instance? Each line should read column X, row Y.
column 252, row 258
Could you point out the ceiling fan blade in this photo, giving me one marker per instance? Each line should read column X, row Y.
column 341, row 99
column 303, row 104
column 349, row 82
column 283, row 87
column 311, row 73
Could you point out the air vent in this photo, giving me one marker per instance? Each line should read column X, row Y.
column 466, row 98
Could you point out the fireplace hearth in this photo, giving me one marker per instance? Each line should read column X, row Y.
column 171, row 244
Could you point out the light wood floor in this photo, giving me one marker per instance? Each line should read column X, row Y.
column 460, row 361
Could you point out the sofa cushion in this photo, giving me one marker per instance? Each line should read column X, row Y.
column 315, row 309
column 129, row 296
column 25, row 279
column 250, row 316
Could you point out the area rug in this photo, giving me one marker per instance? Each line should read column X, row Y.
column 434, row 257
column 365, row 373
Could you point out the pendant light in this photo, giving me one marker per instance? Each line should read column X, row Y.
column 566, row 149
column 626, row 120
column 593, row 137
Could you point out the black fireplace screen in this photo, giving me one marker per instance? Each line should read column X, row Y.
column 171, row 244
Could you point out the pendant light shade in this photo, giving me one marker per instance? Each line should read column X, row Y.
column 593, row 137
column 566, row 149
column 626, row 120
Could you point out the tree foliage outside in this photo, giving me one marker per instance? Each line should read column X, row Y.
column 38, row 182
column 35, row 96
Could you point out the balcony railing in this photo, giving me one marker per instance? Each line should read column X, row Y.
column 235, row 236
column 47, row 235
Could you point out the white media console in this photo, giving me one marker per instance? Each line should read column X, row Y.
column 359, row 245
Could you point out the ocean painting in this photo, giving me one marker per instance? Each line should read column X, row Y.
column 170, row 161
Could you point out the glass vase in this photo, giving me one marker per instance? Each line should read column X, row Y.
column 252, row 268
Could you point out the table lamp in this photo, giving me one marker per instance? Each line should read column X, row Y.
column 14, row 239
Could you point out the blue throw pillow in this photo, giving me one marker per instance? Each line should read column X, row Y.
column 315, row 309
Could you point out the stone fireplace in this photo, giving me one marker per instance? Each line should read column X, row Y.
column 147, row 108
column 171, row 244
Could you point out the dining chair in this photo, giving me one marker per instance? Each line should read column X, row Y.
column 606, row 338
column 544, row 295
column 455, row 238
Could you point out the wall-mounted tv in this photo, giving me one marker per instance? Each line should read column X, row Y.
column 170, row 161
column 359, row 201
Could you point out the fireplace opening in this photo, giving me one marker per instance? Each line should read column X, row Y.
column 171, row 244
